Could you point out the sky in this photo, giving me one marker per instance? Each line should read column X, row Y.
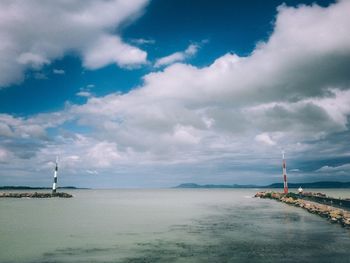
column 154, row 93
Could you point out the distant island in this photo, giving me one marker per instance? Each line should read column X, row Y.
column 323, row 184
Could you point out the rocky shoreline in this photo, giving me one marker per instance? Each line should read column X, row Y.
column 35, row 195
column 333, row 214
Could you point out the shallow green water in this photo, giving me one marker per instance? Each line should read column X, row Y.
column 170, row 225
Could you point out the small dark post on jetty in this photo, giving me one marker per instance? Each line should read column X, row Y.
column 54, row 185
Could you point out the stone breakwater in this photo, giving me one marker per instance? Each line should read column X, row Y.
column 34, row 195
column 334, row 215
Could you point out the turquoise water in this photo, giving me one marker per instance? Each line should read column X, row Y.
column 171, row 225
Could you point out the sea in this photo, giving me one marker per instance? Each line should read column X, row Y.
column 167, row 225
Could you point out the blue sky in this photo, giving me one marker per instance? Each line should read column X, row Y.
column 156, row 93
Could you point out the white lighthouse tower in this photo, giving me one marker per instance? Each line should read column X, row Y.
column 54, row 185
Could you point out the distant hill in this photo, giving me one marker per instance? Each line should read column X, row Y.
column 275, row 185
column 192, row 185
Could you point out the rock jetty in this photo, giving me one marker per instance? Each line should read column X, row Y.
column 333, row 214
column 34, row 195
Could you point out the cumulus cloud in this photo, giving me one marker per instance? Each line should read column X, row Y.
column 34, row 127
column 110, row 49
column 280, row 91
column 34, row 33
column 291, row 92
column 177, row 56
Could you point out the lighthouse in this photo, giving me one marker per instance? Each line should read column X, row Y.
column 284, row 169
column 54, row 185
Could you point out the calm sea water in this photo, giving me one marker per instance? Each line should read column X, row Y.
column 170, row 225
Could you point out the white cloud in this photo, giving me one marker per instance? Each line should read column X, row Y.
column 177, row 56
column 33, row 60
column 91, row 171
column 103, row 154
column 33, row 34
column 143, row 41
column 5, row 130
column 84, row 94
column 58, row 71
column 335, row 169
column 4, row 155
column 265, row 139
column 110, row 49
column 34, row 127
column 185, row 135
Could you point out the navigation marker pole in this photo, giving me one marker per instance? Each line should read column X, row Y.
column 54, row 186
column 285, row 184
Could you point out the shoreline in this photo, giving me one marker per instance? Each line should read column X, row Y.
column 332, row 214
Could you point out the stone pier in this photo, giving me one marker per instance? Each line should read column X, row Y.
column 333, row 214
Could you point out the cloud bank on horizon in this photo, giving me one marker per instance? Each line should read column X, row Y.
column 225, row 122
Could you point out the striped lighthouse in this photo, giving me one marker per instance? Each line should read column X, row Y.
column 284, row 169
column 54, row 185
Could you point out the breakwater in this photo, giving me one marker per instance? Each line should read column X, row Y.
column 34, row 195
column 323, row 199
column 333, row 214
